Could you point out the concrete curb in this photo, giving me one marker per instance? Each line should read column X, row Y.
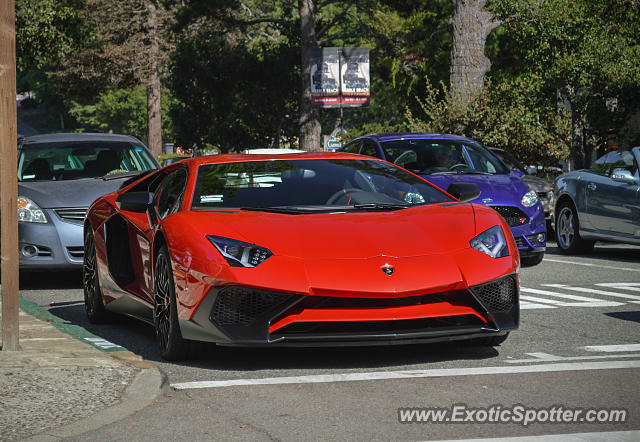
column 148, row 385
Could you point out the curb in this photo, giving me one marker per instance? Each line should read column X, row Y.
column 146, row 386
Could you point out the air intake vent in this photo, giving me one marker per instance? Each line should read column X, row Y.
column 513, row 215
column 497, row 296
column 72, row 214
column 241, row 306
column 76, row 252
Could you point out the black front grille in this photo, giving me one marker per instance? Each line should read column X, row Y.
column 511, row 214
column 241, row 306
column 497, row 296
column 377, row 327
column 72, row 214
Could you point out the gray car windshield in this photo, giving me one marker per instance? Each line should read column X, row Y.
column 427, row 156
column 299, row 186
column 72, row 161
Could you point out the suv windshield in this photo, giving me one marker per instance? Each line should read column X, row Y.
column 72, row 161
column 427, row 156
column 317, row 184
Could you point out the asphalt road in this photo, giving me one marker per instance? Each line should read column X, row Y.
column 578, row 347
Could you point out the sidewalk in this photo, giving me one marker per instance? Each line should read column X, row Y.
column 65, row 381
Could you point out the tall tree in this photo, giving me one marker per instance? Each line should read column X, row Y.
column 587, row 54
column 133, row 49
column 315, row 23
column 471, row 23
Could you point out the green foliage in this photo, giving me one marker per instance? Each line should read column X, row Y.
column 502, row 115
column 121, row 111
column 45, row 31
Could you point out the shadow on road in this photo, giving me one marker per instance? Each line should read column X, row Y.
column 50, row 279
column 139, row 338
column 602, row 251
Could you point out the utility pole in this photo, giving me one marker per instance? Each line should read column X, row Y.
column 8, row 177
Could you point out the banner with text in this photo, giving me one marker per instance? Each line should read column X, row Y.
column 340, row 77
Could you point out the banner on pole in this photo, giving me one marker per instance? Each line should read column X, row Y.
column 340, row 77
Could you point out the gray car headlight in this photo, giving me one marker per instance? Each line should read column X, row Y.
column 529, row 199
column 29, row 212
column 492, row 242
column 239, row 253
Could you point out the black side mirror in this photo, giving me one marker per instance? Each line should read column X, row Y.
column 135, row 201
column 464, row 191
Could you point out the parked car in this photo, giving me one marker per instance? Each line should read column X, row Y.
column 59, row 176
column 544, row 188
column 446, row 159
column 599, row 204
column 335, row 249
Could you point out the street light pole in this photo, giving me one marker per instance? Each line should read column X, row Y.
column 8, row 177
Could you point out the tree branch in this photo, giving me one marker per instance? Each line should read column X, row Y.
column 337, row 18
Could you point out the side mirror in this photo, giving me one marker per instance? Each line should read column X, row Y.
column 464, row 191
column 137, row 202
column 623, row 176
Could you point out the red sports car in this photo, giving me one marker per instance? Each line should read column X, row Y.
column 299, row 249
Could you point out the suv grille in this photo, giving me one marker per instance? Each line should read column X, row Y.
column 72, row 214
column 512, row 215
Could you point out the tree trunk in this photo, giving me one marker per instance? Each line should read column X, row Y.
column 577, row 140
column 471, row 26
column 310, row 128
column 154, row 110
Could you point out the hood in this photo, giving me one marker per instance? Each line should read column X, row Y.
column 537, row 184
column 424, row 230
column 500, row 189
column 72, row 193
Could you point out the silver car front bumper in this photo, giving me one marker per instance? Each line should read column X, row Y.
column 58, row 243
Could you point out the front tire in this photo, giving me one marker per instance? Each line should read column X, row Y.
column 93, row 303
column 568, row 231
column 165, row 312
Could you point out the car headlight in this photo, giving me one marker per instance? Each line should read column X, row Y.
column 492, row 242
column 29, row 212
column 239, row 253
column 529, row 199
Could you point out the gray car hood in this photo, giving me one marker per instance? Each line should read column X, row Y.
column 72, row 193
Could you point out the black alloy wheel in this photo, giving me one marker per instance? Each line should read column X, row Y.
column 568, row 230
column 93, row 303
column 165, row 311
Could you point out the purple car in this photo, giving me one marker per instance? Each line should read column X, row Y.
column 447, row 159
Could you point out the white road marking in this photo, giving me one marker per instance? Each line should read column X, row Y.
column 604, row 436
column 531, row 305
column 583, row 301
column 592, row 265
column 546, row 357
column 613, row 348
column 635, row 299
column 633, row 286
column 407, row 374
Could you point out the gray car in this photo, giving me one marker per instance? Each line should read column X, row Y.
column 599, row 204
column 59, row 176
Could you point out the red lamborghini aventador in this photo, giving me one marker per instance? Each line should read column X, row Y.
column 299, row 249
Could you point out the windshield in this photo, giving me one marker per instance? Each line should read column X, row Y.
column 426, row 156
column 317, row 184
column 72, row 161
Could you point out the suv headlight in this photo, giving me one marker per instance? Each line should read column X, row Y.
column 529, row 199
column 239, row 253
column 29, row 212
column 492, row 242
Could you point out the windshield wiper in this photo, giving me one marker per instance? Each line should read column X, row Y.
column 115, row 176
column 287, row 210
column 380, row 206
